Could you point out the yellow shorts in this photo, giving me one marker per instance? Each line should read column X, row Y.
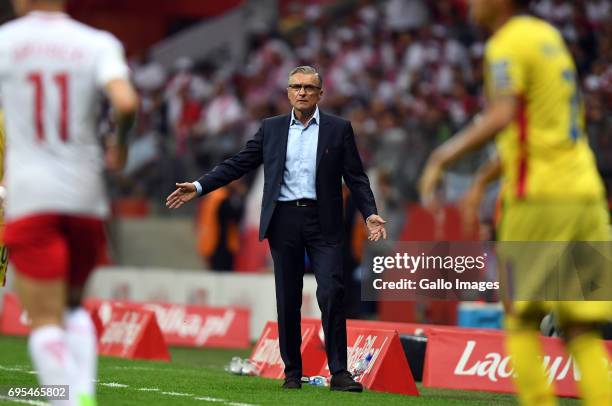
column 554, row 221
column 552, row 227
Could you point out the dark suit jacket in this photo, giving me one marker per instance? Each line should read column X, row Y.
column 337, row 158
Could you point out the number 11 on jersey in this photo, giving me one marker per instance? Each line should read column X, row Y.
column 61, row 80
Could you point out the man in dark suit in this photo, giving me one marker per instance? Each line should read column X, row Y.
column 305, row 154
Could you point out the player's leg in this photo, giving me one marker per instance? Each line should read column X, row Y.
column 523, row 325
column 82, row 344
column 580, row 319
column 86, row 241
column 589, row 352
column 523, row 344
column 39, row 254
column 522, row 321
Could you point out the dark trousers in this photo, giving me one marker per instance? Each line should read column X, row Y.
column 292, row 231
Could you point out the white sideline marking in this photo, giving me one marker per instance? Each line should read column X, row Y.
column 24, row 401
column 17, row 368
column 137, row 368
column 114, row 385
column 239, row 404
column 177, row 394
column 12, row 369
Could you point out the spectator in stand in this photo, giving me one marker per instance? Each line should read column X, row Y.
column 598, row 12
column 405, row 15
column 218, row 125
column 218, row 225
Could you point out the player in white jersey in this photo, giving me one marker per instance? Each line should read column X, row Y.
column 52, row 72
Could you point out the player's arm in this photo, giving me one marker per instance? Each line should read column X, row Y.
column 113, row 77
column 506, row 62
column 250, row 157
column 487, row 173
column 495, row 118
column 472, row 199
column 124, row 100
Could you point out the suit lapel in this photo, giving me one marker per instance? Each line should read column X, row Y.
column 283, row 136
column 324, row 134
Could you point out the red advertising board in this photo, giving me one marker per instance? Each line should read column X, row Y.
column 388, row 369
column 188, row 325
column 133, row 332
column 401, row 328
column 266, row 354
column 413, row 328
column 181, row 325
column 463, row 360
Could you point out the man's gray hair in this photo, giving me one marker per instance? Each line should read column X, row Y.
column 308, row 70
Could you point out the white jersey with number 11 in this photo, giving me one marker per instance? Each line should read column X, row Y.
column 52, row 71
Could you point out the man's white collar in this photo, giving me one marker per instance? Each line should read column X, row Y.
column 314, row 117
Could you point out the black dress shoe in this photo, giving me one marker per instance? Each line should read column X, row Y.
column 343, row 381
column 292, row 383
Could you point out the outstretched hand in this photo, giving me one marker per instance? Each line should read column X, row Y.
column 184, row 192
column 376, row 228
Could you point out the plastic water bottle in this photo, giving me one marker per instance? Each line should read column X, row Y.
column 248, row 368
column 317, row 381
column 235, row 366
column 362, row 365
column 240, row 366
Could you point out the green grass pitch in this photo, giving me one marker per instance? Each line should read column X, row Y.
column 196, row 377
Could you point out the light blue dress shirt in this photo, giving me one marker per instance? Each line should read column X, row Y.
column 299, row 174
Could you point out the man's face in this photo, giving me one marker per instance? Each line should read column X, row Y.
column 304, row 91
column 482, row 12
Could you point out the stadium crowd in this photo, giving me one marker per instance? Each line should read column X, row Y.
column 407, row 73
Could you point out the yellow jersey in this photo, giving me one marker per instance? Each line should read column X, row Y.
column 544, row 153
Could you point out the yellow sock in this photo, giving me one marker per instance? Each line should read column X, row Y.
column 593, row 361
column 533, row 388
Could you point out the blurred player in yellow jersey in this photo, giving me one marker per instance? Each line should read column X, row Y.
column 3, row 250
column 551, row 190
